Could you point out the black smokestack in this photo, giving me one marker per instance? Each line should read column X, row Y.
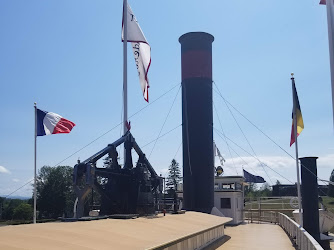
column 310, row 200
column 197, row 135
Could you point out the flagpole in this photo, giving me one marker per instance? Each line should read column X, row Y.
column 296, row 147
column 125, row 70
column 34, row 216
column 330, row 22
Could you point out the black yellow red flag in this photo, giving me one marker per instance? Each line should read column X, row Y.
column 299, row 117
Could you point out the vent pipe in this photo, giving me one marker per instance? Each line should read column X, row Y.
column 310, row 198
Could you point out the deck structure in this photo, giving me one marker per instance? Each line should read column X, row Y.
column 254, row 236
column 181, row 231
column 191, row 230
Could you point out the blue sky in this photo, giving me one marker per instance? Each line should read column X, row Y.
column 67, row 57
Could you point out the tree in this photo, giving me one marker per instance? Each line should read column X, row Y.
column 23, row 212
column 8, row 208
column 251, row 190
column 174, row 176
column 55, row 195
column 265, row 190
column 2, row 203
column 330, row 186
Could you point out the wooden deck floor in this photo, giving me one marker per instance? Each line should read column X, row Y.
column 255, row 236
column 140, row 233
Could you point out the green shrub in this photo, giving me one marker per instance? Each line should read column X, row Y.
column 23, row 212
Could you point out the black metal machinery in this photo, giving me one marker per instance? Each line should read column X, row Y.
column 123, row 190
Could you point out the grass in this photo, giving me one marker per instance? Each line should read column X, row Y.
column 283, row 205
column 328, row 202
column 19, row 222
column 269, row 203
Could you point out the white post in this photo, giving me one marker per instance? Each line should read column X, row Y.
column 296, row 147
column 34, row 216
column 330, row 22
column 125, row 70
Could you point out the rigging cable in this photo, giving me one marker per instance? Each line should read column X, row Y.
column 177, row 150
column 18, row 188
column 244, row 136
column 170, row 109
column 120, row 159
column 219, row 93
column 228, row 147
column 187, row 127
column 162, row 135
column 254, row 157
column 134, row 114
column 137, row 112
column 239, row 156
column 159, row 137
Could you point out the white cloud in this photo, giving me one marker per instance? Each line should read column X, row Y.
column 284, row 167
column 15, row 180
column 4, row 170
column 326, row 162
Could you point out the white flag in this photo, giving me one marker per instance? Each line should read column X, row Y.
column 141, row 49
column 217, row 153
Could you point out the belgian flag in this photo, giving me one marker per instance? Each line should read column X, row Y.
column 300, row 123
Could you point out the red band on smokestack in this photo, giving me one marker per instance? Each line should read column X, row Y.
column 196, row 63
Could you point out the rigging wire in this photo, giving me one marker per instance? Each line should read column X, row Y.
column 177, row 150
column 221, row 127
column 244, row 135
column 120, row 159
column 163, row 125
column 219, row 93
column 134, row 114
column 19, row 188
column 162, row 135
column 187, row 127
column 159, row 137
column 238, row 155
column 254, row 156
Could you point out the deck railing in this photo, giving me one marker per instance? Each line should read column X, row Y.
column 259, row 216
column 299, row 235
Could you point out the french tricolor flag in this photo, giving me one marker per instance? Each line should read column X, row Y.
column 49, row 123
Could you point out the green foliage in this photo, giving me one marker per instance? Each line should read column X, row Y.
column 251, row 191
column 330, row 186
column 265, row 190
column 174, row 176
column 8, row 206
column 24, row 211
column 55, row 195
column 19, row 222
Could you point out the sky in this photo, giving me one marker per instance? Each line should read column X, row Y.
column 67, row 57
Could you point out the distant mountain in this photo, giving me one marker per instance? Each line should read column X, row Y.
column 16, row 197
